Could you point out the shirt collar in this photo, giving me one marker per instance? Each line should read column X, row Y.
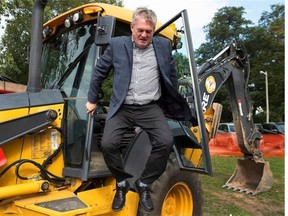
column 135, row 45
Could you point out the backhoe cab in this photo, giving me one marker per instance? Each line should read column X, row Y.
column 49, row 147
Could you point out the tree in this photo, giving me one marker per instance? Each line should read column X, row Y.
column 16, row 39
column 182, row 65
column 226, row 26
column 265, row 46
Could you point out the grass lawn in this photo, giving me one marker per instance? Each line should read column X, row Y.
column 219, row 201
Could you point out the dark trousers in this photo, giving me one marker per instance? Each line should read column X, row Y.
column 149, row 117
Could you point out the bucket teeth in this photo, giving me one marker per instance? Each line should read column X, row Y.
column 240, row 190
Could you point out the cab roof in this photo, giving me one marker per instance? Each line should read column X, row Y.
column 120, row 13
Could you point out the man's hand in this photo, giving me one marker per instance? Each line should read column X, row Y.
column 91, row 107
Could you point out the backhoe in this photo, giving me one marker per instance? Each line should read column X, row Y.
column 50, row 161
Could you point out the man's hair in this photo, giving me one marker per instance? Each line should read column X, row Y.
column 145, row 13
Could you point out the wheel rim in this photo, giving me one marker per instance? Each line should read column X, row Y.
column 178, row 201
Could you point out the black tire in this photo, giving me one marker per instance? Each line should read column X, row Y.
column 177, row 192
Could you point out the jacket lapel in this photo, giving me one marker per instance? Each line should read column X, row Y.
column 129, row 51
column 158, row 53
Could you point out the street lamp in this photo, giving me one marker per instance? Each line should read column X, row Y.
column 267, row 97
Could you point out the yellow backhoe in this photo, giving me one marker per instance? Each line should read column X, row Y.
column 50, row 162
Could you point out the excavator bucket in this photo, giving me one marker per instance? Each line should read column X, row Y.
column 250, row 177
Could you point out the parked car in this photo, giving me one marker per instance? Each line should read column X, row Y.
column 273, row 135
column 281, row 126
column 226, row 136
column 278, row 127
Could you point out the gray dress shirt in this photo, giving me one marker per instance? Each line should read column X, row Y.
column 145, row 79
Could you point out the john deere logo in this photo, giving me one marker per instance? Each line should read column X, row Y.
column 210, row 84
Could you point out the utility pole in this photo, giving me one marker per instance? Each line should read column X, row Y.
column 267, row 97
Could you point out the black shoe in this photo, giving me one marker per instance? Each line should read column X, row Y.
column 145, row 198
column 120, row 197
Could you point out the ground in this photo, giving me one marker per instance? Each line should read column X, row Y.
column 220, row 201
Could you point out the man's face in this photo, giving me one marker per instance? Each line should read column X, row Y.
column 142, row 32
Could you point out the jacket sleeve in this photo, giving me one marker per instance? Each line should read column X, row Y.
column 100, row 72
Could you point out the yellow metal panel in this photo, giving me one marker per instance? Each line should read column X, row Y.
column 100, row 200
column 111, row 10
column 27, row 205
column 194, row 155
column 12, row 114
column 21, row 189
column 37, row 147
column 12, row 151
column 57, row 107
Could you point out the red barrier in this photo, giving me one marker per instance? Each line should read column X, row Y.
column 268, row 149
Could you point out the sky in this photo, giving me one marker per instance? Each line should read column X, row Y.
column 201, row 12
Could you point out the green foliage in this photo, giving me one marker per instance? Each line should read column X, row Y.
column 266, row 49
column 182, row 65
column 107, row 87
column 13, row 53
column 226, row 26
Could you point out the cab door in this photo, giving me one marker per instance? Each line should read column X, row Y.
column 194, row 146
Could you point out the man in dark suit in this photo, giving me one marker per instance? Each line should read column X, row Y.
column 144, row 94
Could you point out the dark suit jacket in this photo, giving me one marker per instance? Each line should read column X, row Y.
column 118, row 56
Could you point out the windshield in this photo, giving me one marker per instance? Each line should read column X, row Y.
column 67, row 61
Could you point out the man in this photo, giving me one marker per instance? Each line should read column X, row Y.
column 144, row 81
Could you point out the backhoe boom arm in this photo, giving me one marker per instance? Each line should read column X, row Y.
column 230, row 67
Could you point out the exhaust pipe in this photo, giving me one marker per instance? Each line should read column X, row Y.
column 34, row 80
